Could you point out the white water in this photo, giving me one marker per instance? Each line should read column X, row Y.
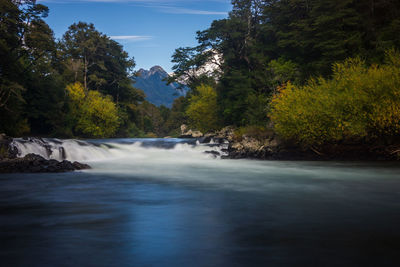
column 94, row 151
column 184, row 161
column 164, row 202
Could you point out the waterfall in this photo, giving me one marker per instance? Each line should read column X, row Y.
column 98, row 150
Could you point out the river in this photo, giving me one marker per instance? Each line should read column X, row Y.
column 164, row 202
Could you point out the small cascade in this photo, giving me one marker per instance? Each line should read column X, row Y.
column 73, row 150
column 99, row 150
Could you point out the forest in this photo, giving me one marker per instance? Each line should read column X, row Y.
column 314, row 71
column 78, row 86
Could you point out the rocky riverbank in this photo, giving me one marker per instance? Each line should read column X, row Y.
column 271, row 147
column 31, row 163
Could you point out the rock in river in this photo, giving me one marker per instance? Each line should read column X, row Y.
column 35, row 163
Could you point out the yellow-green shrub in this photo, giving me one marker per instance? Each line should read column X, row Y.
column 358, row 102
column 96, row 115
column 202, row 109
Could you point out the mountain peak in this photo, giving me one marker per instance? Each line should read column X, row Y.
column 158, row 69
column 153, row 84
column 143, row 73
column 153, row 71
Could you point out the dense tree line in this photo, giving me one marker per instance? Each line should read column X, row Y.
column 263, row 44
column 81, row 85
column 265, row 56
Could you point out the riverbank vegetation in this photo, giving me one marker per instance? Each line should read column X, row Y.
column 78, row 86
column 313, row 72
column 358, row 103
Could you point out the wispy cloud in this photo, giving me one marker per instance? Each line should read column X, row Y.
column 131, row 38
column 165, row 6
column 178, row 10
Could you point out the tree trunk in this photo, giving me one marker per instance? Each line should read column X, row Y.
column 85, row 63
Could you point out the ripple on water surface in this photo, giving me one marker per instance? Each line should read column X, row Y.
column 173, row 205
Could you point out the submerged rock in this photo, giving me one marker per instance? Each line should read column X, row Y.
column 207, row 138
column 213, row 153
column 33, row 163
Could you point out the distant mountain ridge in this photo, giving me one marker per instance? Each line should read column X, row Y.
column 156, row 89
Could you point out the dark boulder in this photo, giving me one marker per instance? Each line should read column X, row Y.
column 206, row 138
column 33, row 163
column 80, row 166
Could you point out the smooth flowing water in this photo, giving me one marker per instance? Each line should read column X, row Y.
column 164, row 202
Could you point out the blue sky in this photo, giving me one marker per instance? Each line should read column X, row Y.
column 149, row 30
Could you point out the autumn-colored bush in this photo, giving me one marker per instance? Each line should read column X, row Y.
column 95, row 115
column 358, row 102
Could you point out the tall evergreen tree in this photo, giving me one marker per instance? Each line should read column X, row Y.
column 98, row 62
column 26, row 78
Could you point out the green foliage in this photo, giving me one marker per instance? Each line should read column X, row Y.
column 256, row 111
column 150, row 119
column 261, row 45
column 283, row 71
column 99, row 116
column 188, row 66
column 202, row 109
column 358, row 103
column 98, row 63
column 232, row 93
column 264, row 44
column 96, row 115
column 11, row 107
column 101, row 64
column 151, row 135
column 164, row 112
column 177, row 116
column 34, row 71
column 26, row 43
column 3, row 152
